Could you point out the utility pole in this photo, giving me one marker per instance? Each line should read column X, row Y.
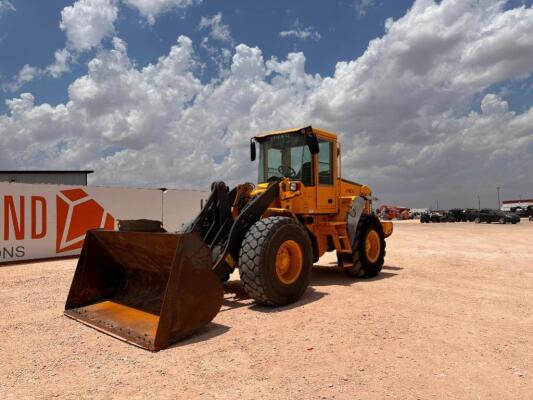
column 499, row 203
column 437, row 201
column 478, row 202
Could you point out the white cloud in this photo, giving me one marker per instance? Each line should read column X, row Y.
column 26, row 74
column 61, row 63
column 492, row 104
column 153, row 8
column 362, row 6
column 403, row 110
column 87, row 22
column 221, row 56
column 302, row 34
column 217, row 29
column 219, row 32
column 6, row 6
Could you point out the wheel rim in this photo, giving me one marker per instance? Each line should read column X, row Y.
column 372, row 246
column 289, row 261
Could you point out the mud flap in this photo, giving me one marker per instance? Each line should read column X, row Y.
column 149, row 289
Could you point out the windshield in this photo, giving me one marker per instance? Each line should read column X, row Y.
column 285, row 156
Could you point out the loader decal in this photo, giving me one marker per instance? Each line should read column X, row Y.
column 76, row 214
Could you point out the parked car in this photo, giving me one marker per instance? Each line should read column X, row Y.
column 488, row 216
column 425, row 217
column 436, row 216
column 470, row 214
column 523, row 212
column 447, row 217
column 529, row 213
column 458, row 214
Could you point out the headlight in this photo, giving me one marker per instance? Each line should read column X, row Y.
column 293, row 186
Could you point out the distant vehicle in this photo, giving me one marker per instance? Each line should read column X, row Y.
column 415, row 213
column 425, row 217
column 436, row 216
column 488, row 216
column 470, row 214
column 458, row 214
column 523, row 212
column 387, row 212
column 526, row 212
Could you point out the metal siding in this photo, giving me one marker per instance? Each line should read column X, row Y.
column 78, row 179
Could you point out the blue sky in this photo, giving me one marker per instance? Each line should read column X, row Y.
column 31, row 34
column 432, row 99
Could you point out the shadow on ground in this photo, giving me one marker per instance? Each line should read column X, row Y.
column 390, row 267
column 235, row 296
column 310, row 296
column 329, row 275
column 207, row 332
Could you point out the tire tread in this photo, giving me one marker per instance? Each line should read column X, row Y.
column 252, row 252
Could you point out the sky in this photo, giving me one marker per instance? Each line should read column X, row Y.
column 432, row 100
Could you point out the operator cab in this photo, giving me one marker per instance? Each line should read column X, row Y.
column 293, row 154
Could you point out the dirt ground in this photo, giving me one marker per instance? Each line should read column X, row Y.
column 449, row 317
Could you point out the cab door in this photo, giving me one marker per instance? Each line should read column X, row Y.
column 326, row 199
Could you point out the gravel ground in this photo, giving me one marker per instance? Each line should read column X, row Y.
column 449, row 317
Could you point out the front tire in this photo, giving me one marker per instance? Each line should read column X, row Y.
column 368, row 254
column 275, row 261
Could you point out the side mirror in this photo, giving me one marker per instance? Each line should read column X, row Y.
column 252, row 150
column 312, row 143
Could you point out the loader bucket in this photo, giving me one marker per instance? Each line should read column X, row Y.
column 149, row 289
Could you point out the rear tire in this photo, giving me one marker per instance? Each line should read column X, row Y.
column 366, row 264
column 264, row 277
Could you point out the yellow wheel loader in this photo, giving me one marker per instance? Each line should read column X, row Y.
column 152, row 288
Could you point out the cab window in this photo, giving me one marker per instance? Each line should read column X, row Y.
column 285, row 155
column 325, row 162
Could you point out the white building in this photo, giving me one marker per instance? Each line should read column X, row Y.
column 509, row 205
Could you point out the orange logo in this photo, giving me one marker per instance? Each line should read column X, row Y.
column 76, row 214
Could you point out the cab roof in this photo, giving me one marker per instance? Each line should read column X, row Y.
column 318, row 132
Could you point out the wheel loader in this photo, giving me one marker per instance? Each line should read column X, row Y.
column 153, row 288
